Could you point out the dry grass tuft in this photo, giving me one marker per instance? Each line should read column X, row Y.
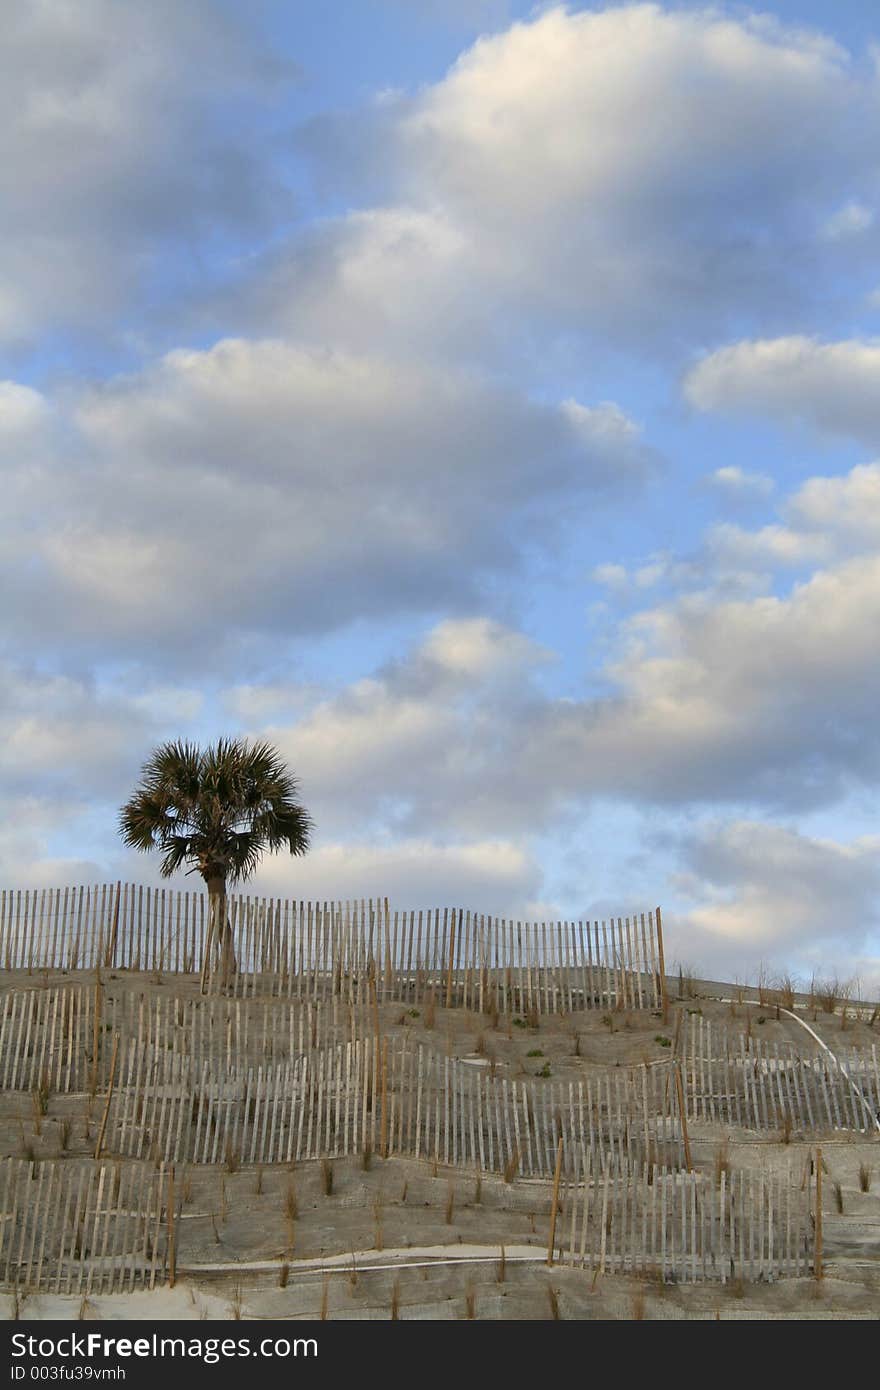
column 722, row 1161
column 450, row 1204
column 291, row 1205
column 785, row 1130
column 326, row 1177
column 232, row 1158
column 367, row 1157
column 838, row 1198
column 501, row 1268
column 378, row 1232
column 470, row 1303
column 553, row 1298
column 430, row 1011
column 511, row 1166
column 283, row 1275
column 638, row 1306
column 395, row 1300
column 864, row 1178
column 786, row 991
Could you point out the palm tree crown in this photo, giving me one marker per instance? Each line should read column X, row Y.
column 217, row 809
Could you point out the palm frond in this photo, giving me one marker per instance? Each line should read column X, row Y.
column 226, row 804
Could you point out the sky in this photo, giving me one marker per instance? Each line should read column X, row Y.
column 479, row 401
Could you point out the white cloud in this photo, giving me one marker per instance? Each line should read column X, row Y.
column 834, row 387
column 848, row 221
column 772, row 895
column 113, row 153
column 261, row 486
column 633, row 172
column 738, row 484
column 492, row 876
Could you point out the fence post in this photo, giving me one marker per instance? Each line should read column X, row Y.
column 554, row 1205
column 664, row 999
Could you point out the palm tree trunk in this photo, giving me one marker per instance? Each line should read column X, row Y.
column 221, row 929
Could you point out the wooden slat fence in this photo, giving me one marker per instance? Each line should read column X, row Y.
column 734, row 1079
column 81, row 1227
column 393, row 1100
column 318, row 949
column 62, row 1037
column 686, row 1227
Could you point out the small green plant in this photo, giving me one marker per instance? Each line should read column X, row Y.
column 662, row 1041
column 545, row 1071
column 535, row 1052
column 520, row 1023
column 413, row 1013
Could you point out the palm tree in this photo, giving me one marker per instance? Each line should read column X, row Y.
column 217, row 809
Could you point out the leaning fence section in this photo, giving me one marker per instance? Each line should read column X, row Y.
column 314, row 950
column 737, row 1079
column 61, row 1038
column 686, row 1226
column 74, row 1227
column 410, row 1100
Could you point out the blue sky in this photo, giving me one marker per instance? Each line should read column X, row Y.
column 478, row 400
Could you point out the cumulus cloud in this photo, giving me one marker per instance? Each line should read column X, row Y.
column 262, row 486
column 738, row 486
column 115, row 151
column 636, row 173
column 834, row 387
column 770, row 894
column 767, row 701
column 492, row 876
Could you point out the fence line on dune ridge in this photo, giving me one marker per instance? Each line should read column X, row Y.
column 404, row 1100
column 306, row 949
